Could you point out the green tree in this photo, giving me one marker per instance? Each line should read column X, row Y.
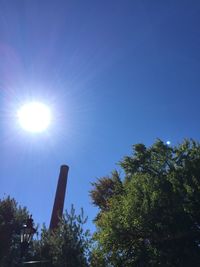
column 155, row 220
column 68, row 245
column 12, row 217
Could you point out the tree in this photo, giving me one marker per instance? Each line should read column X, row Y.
column 155, row 220
column 12, row 217
column 68, row 245
column 105, row 188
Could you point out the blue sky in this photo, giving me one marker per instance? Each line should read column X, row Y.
column 114, row 73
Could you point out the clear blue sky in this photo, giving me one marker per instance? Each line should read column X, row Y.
column 114, row 73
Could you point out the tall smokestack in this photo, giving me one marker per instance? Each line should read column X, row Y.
column 59, row 197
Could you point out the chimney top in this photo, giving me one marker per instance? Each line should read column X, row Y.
column 64, row 166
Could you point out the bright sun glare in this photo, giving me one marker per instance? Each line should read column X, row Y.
column 34, row 117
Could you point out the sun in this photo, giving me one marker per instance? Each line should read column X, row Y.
column 34, row 117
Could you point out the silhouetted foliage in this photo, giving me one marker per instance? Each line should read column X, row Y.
column 12, row 217
column 155, row 220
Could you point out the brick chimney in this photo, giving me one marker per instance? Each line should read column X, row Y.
column 59, row 197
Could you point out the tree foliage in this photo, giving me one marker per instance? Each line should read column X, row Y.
column 12, row 217
column 105, row 188
column 155, row 219
column 68, row 245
